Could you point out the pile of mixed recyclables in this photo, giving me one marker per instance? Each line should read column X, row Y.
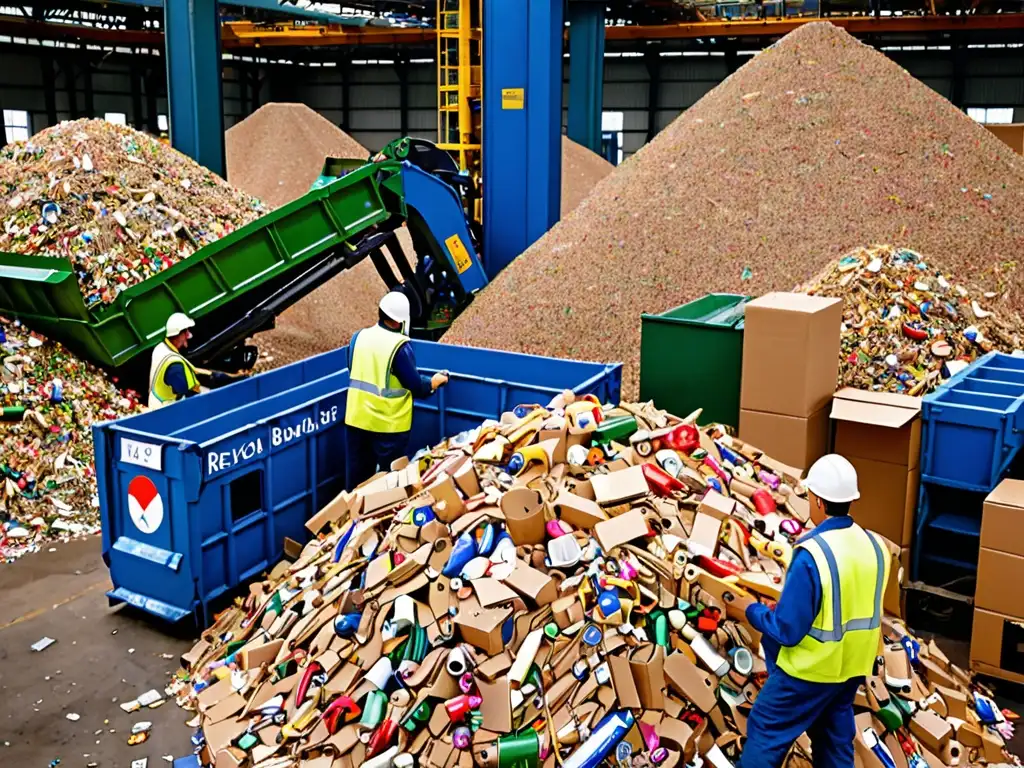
column 553, row 588
column 117, row 203
column 907, row 326
column 49, row 399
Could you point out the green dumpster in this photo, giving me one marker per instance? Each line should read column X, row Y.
column 691, row 357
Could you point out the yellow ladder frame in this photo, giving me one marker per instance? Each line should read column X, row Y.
column 460, row 82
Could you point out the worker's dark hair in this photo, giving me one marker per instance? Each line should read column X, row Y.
column 836, row 508
column 387, row 322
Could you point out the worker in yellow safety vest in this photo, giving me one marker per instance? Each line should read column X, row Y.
column 823, row 635
column 383, row 383
column 171, row 376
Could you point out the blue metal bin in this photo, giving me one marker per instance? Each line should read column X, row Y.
column 972, row 424
column 197, row 498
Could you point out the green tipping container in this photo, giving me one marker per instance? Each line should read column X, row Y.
column 691, row 357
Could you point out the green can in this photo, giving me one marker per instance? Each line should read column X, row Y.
column 691, row 357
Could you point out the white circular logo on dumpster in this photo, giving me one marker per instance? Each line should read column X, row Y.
column 144, row 504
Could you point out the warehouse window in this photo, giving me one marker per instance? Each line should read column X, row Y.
column 991, row 115
column 611, row 136
column 16, row 124
column 246, row 494
column 117, row 118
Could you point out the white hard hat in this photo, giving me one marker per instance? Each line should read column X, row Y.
column 833, row 478
column 179, row 322
column 396, row 306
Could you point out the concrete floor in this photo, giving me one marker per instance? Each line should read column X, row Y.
column 92, row 668
column 88, row 671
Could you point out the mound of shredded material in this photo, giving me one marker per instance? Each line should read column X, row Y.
column 907, row 325
column 817, row 145
column 276, row 154
column 120, row 205
column 50, row 399
column 566, row 587
column 581, row 171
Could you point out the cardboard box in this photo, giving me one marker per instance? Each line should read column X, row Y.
column 704, row 535
column 684, row 677
column 620, row 487
column 796, row 441
column 252, row 656
column 621, row 530
column 382, row 500
column 531, row 583
column 790, row 353
column 647, row 664
column 481, row 627
column 1002, row 521
column 716, row 505
column 882, row 426
column 930, row 729
column 444, row 489
column 334, row 511
column 1012, row 135
column 880, row 433
column 999, row 575
column 997, row 646
column 888, row 498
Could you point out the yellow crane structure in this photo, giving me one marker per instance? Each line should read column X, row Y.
column 460, row 84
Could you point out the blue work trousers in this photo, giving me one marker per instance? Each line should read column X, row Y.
column 786, row 707
column 368, row 451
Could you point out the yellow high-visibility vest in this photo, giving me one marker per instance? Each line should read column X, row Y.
column 377, row 402
column 845, row 637
column 165, row 355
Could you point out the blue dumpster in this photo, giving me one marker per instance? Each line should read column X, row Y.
column 972, row 435
column 973, row 425
column 197, row 498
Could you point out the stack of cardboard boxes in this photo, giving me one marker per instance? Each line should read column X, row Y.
column 790, row 365
column 880, row 433
column 997, row 643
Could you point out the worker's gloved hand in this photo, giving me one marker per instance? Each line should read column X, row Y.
column 220, row 379
column 736, row 609
column 438, row 380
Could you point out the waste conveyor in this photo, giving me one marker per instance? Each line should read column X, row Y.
column 236, row 286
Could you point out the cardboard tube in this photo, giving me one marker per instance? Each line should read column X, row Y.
column 524, row 515
column 525, row 657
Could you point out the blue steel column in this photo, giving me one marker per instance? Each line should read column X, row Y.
column 192, row 35
column 522, row 125
column 586, row 73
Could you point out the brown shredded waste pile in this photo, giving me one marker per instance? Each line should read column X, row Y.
column 817, row 145
column 120, row 205
column 276, row 154
column 581, row 170
column 587, row 611
column 907, row 325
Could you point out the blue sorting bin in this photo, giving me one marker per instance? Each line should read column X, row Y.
column 973, row 425
column 197, row 498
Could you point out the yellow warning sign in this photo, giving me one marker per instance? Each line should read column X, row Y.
column 459, row 254
column 513, row 98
